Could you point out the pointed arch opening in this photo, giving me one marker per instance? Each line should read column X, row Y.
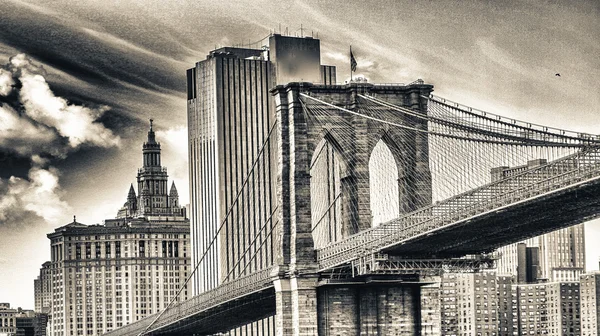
column 326, row 170
column 383, row 184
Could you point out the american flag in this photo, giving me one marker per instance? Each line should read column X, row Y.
column 352, row 61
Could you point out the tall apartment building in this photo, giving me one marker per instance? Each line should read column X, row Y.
column 507, row 306
column 546, row 309
column 469, row 304
column 564, row 314
column 590, row 304
column 530, row 308
column 561, row 253
column 448, row 304
column 106, row 276
column 231, row 117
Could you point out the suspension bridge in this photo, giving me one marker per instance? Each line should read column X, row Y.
column 377, row 187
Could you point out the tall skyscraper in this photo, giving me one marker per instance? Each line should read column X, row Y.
column 231, row 120
column 103, row 277
column 561, row 253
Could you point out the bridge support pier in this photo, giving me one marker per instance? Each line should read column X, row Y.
column 296, row 305
column 369, row 310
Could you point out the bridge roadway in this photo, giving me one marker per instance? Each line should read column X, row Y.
column 559, row 194
column 248, row 298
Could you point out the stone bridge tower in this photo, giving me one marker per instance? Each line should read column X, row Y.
column 306, row 303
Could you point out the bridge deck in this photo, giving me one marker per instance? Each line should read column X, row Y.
column 234, row 303
column 495, row 214
column 508, row 224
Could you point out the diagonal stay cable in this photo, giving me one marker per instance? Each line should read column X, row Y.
column 252, row 243
column 258, row 156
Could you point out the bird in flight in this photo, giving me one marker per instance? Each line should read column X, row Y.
column 557, row 75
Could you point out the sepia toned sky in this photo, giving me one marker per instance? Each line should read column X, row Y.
column 80, row 79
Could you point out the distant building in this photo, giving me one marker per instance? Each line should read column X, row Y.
column 590, row 304
column 8, row 319
column 547, row 309
column 106, row 276
column 154, row 201
column 530, row 309
column 507, row 306
column 469, row 304
column 564, row 315
column 561, row 253
column 448, row 304
column 42, row 289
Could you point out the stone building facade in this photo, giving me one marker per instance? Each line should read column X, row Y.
column 102, row 277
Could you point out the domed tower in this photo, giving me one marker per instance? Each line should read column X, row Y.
column 153, row 199
column 152, row 178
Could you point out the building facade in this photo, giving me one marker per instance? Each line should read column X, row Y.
column 507, row 306
column 590, row 302
column 103, row 277
column 531, row 309
column 469, row 304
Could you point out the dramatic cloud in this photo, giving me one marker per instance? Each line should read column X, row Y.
column 38, row 125
column 6, row 82
column 26, row 137
column 34, row 199
column 77, row 123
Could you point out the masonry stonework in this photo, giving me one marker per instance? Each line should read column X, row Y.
column 304, row 308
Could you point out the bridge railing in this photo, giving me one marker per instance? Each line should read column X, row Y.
column 239, row 287
column 536, row 181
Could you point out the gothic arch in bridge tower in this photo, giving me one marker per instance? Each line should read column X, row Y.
column 383, row 184
column 327, row 169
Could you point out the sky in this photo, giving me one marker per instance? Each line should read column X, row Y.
column 80, row 79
